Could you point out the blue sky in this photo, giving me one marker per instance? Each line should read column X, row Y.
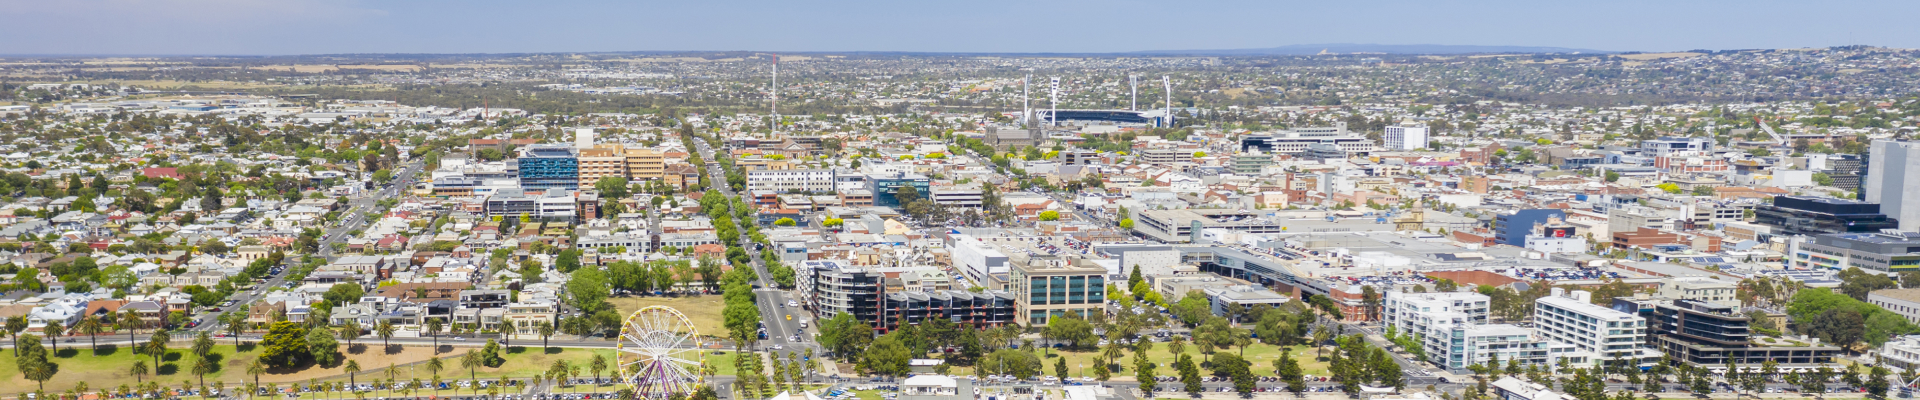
column 277, row 27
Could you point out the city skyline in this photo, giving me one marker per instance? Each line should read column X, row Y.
column 242, row 27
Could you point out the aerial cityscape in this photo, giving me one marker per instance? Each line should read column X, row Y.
column 220, row 218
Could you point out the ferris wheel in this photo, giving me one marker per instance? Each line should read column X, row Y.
column 659, row 353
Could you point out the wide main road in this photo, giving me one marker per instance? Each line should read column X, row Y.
column 781, row 321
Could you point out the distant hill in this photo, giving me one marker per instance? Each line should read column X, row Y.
column 1346, row 48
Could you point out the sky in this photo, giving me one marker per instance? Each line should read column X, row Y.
column 291, row 27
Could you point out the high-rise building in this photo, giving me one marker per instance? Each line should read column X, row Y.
column 549, row 166
column 1803, row 215
column 1889, row 183
column 601, row 161
column 1405, row 137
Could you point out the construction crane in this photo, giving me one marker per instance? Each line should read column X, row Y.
column 1777, row 139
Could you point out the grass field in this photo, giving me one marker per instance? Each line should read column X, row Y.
column 704, row 311
column 110, row 367
column 1262, row 356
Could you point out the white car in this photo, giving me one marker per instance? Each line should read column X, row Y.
column 792, row 303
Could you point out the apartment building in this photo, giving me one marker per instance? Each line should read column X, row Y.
column 1166, row 156
column 1572, row 318
column 806, row 180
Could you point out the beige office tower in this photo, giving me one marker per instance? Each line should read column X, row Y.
column 600, row 162
column 645, row 164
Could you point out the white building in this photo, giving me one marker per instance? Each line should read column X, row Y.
column 976, row 259
column 1511, row 388
column 1455, row 347
column 1556, row 244
column 1716, row 291
column 1421, row 313
column 1404, row 137
column 1887, row 182
column 809, row 180
column 1572, row 318
column 1902, row 352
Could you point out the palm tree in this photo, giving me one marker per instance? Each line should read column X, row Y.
column 91, row 326
column 255, row 368
column 385, row 330
column 138, row 369
column 202, row 344
column 157, row 345
column 472, row 363
column 434, row 366
column 353, row 367
column 54, row 330
column 350, row 331
column 236, row 323
column 130, row 321
column 433, row 328
column 599, row 363
column 203, row 366
column 546, row 331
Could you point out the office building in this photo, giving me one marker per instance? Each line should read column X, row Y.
column 1905, row 302
column 1887, row 251
column 549, row 166
column 1405, row 137
column 885, row 187
column 1803, row 215
column 645, row 164
column 783, row 181
column 1891, row 180
column 1706, row 334
column 1572, row 318
column 1700, row 288
column 1512, row 229
column 978, row 260
column 1166, row 156
column 1296, row 140
column 1669, row 146
column 1250, row 163
column 1047, row 287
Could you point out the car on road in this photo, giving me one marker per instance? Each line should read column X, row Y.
column 792, row 303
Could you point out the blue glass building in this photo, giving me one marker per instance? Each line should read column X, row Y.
column 549, row 166
column 1512, row 229
column 885, row 186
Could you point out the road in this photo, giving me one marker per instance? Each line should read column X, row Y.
column 781, row 321
column 352, row 219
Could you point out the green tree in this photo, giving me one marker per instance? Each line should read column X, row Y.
column 32, row 361
column 1049, row 215
column 1289, row 371
column 887, row 356
column 284, row 345
column 322, row 345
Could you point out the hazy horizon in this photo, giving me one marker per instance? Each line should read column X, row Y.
column 300, row 27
